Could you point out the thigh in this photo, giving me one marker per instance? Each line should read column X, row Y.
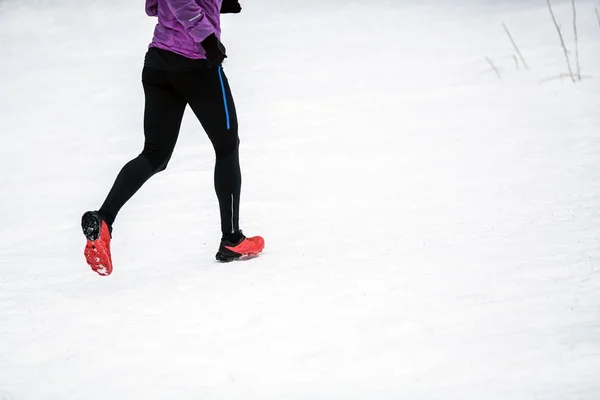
column 163, row 112
column 209, row 96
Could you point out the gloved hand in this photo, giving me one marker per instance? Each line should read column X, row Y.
column 230, row 7
column 215, row 51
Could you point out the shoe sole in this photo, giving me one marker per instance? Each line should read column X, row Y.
column 225, row 258
column 229, row 256
column 96, row 253
column 95, row 250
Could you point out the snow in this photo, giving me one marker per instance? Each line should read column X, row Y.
column 432, row 231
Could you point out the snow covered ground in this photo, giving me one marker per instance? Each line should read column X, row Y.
column 433, row 232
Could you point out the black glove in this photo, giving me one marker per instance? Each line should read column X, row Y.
column 215, row 51
column 230, row 7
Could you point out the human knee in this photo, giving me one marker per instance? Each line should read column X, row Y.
column 225, row 148
column 157, row 158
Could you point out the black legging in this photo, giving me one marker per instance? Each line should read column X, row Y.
column 167, row 94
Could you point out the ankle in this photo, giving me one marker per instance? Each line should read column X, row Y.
column 107, row 217
column 233, row 237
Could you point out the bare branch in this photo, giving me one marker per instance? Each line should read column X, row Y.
column 494, row 68
column 562, row 41
column 576, row 40
column 515, row 46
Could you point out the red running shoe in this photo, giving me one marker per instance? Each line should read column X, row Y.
column 97, row 248
column 245, row 247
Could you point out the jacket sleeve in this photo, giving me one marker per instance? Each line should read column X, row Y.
column 193, row 18
column 152, row 8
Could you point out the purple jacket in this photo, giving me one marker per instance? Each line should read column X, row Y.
column 183, row 24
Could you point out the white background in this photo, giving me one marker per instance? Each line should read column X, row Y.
column 432, row 231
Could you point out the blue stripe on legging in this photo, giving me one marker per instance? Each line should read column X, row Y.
column 224, row 98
